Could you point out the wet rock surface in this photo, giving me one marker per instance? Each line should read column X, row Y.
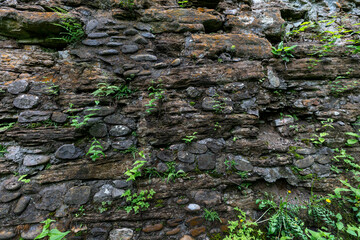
column 194, row 92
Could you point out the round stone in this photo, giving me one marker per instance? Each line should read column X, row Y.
column 34, row 160
column 68, row 151
column 119, row 130
column 98, row 130
column 18, row 87
column 26, row 101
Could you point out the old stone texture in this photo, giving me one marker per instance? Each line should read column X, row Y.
column 253, row 115
column 78, row 195
column 241, row 45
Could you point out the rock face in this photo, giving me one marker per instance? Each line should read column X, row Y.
column 193, row 94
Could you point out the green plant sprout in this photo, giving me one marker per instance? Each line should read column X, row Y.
column 283, row 52
column 6, row 126
column 319, row 139
column 156, row 94
column 95, row 150
column 211, row 216
column 183, row 3
column 53, row 234
column 104, row 206
column 189, row 139
column 136, row 170
column 23, row 179
column 73, row 29
column 138, row 201
column 3, row 150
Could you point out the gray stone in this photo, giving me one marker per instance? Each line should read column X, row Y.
column 241, row 164
column 215, row 145
column 119, row 130
column 207, row 197
column 143, row 26
column 131, row 73
column 283, row 121
column 130, row 32
column 208, row 103
column 122, row 144
column 176, row 62
column 12, row 184
column 62, row 211
column 207, row 161
column 33, row 232
column 166, row 155
column 34, row 160
column 186, row 157
column 129, row 48
column 26, row 101
column 98, row 35
column 109, row 52
column 323, row 159
column 148, row 35
column 17, row 87
column 33, row 116
column 78, row 195
column 192, row 207
column 59, row 117
column 98, row 130
column 160, row 65
column 272, row 174
column 140, row 40
column 7, row 234
column 104, row 194
column 161, row 167
column 117, row 193
column 305, row 162
column 122, row 183
column 306, row 151
column 15, row 154
column 91, row 43
column 22, row 204
column 193, row 92
column 196, row 148
column 121, row 234
column 185, row 167
column 118, row 119
column 273, row 79
column 4, row 210
column 51, row 198
column 143, row 57
column 321, row 170
column 68, row 151
column 114, row 44
column 99, row 111
column 6, row 197
column 91, row 25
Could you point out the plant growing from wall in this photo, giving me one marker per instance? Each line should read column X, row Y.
column 73, row 29
column 190, row 138
column 118, row 92
column 127, row 4
column 284, row 221
column 156, row 94
column 53, row 234
column 6, row 126
column 183, row 3
column 211, row 216
column 243, row 229
column 285, row 53
column 95, row 150
column 3, row 150
column 138, row 201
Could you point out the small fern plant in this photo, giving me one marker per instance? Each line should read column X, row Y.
column 73, row 29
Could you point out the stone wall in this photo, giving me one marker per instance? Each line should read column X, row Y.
column 253, row 114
